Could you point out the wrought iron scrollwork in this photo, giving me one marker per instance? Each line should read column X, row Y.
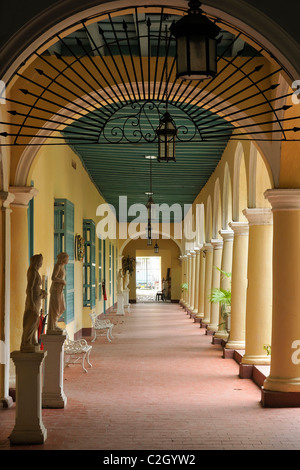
column 137, row 122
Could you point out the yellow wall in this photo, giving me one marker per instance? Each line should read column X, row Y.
column 169, row 252
column 54, row 177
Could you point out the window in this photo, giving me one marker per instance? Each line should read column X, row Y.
column 99, row 268
column 89, row 264
column 64, row 241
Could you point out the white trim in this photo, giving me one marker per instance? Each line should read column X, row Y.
column 283, row 199
column 259, row 216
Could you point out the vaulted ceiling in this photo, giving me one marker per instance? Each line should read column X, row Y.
column 104, row 86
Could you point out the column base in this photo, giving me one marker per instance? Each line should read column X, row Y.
column 198, row 317
column 262, row 360
column 209, row 332
column 7, row 402
column 24, row 435
column 235, row 345
column 246, row 371
column 221, row 335
column 215, row 340
column 53, row 395
column 272, row 399
column 212, row 328
column 54, row 400
column 29, row 428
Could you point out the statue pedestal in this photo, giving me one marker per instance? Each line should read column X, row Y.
column 120, row 300
column 126, row 298
column 29, row 428
column 53, row 394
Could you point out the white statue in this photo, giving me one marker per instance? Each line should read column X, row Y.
column 126, row 280
column 57, row 304
column 34, row 296
column 120, row 282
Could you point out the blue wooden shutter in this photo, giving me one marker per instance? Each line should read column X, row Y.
column 64, row 241
column 99, row 268
column 89, row 263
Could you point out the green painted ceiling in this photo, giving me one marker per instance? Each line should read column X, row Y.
column 120, row 168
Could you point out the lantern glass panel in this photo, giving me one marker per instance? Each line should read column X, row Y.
column 196, row 57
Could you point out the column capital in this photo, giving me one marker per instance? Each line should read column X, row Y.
column 216, row 243
column 259, row 216
column 23, row 194
column 6, row 198
column 207, row 247
column 227, row 235
column 192, row 253
column 283, row 199
column 240, row 228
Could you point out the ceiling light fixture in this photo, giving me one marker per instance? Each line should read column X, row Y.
column 196, row 44
column 166, row 131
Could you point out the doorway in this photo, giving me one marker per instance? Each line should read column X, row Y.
column 148, row 278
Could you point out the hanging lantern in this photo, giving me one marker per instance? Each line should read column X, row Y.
column 196, row 44
column 149, row 234
column 166, row 133
column 156, row 248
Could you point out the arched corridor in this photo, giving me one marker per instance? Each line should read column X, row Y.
column 113, row 147
column 161, row 385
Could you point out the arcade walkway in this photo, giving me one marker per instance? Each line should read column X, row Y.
column 161, row 385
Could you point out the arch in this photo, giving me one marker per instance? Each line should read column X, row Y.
column 238, row 158
column 263, row 182
column 217, row 209
column 243, row 17
column 226, row 199
column 65, row 115
column 252, row 176
column 208, row 220
column 155, row 232
column 59, row 16
column 4, row 158
column 200, row 225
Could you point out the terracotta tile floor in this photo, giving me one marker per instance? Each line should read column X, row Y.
column 161, row 384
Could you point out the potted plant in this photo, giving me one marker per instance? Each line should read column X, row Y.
column 128, row 264
column 223, row 297
column 184, row 286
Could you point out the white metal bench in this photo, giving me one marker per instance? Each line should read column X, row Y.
column 76, row 350
column 102, row 327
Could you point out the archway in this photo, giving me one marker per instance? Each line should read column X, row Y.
column 169, row 262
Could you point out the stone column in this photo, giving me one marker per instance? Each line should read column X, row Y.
column 215, row 283
column 225, row 282
column 19, row 261
column 208, row 278
column 197, row 274
column 193, row 281
column 189, row 273
column 259, row 293
column 201, row 295
column 5, row 256
column 29, row 427
column 184, row 280
column 282, row 387
column 239, row 287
